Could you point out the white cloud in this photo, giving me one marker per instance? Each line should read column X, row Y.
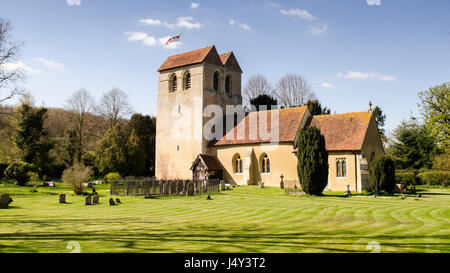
column 141, row 37
column 301, row 13
column 373, row 2
column 147, row 40
column 318, row 30
column 232, row 22
column 151, row 22
column 186, row 22
column 365, row 76
column 244, row 26
column 73, row 2
column 194, row 5
column 21, row 66
column 327, row 85
column 50, row 64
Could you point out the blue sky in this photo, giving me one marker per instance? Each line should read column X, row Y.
column 351, row 51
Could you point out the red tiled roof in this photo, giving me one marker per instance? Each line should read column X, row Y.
column 224, row 57
column 343, row 132
column 186, row 58
column 290, row 120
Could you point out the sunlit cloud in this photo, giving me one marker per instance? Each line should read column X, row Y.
column 327, row 85
column 19, row 65
column 49, row 64
column 194, row 5
column 182, row 22
column 73, row 2
column 147, row 40
column 318, row 30
column 356, row 75
column 300, row 13
column 373, row 2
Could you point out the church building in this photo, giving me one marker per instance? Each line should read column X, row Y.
column 191, row 83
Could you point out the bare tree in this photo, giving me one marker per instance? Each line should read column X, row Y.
column 293, row 90
column 257, row 85
column 114, row 106
column 80, row 104
column 10, row 75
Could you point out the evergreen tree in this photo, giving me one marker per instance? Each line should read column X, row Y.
column 315, row 108
column 312, row 166
column 112, row 151
column 145, row 129
column 380, row 118
column 31, row 137
column 382, row 174
column 263, row 100
column 136, row 156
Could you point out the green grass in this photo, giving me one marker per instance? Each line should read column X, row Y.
column 244, row 219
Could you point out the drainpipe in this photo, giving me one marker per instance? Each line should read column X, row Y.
column 356, row 174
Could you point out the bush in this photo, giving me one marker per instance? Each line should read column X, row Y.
column 19, row 172
column 435, row 178
column 406, row 178
column 112, row 176
column 75, row 176
column 382, row 174
column 312, row 166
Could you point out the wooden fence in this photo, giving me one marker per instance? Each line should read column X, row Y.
column 153, row 187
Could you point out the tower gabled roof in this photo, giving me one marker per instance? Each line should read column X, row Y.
column 208, row 54
column 230, row 61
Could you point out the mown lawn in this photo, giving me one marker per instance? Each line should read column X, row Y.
column 244, row 219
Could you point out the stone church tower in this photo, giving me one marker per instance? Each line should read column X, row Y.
column 188, row 83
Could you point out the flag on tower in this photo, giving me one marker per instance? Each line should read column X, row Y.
column 173, row 39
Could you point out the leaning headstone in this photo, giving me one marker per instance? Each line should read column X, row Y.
column 118, row 201
column 95, row 199
column 88, row 200
column 190, row 189
column 62, row 198
column 111, row 202
column 5, row 200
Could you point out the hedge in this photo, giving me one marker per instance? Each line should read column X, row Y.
column 435, row 178
column 406, row 178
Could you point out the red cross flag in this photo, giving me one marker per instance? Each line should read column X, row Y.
column 173, row 39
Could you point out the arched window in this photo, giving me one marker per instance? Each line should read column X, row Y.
column 265, row 164
column 228, row 84
column 187, row 81
column 173, row 83
column 237, row 164
column 341, row 167
column 216, row 81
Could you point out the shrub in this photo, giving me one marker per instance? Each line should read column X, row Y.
column 406, row 178
column 435, row 178
column 75, row 176
column 34, row 179
column 112, row 176
column 382, row 174
column 312, row 166
column 19, row 172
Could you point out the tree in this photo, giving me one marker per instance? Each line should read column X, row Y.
column 315, row 108
column 312, row 166
column 10, row 73
column 435, row 107
column 263, row 100
column 380, row 118
column 293, row 90
column 114, row 106
column 79, row 104
column 256, row 85
column 31, row 137
column 135, row 156
column 112, row 151
column 145, row 129
column 19, row 172
column 411, row 146
column 382, row 174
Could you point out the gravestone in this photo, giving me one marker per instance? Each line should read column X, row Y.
column 88, row 200
column 90, row 185
column 51, row 184
column 222, row 185
column 209, row 197
column 5, row 200
column 111, row 202
column 95, row 199
column 62, row 198
column 190, row 189
column 118, row 201
column 261, row 185
column 348, row 192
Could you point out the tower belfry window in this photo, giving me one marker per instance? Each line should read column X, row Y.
column 173, row 83
column 187, row 81
column 216, row 81
column 228, row 84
